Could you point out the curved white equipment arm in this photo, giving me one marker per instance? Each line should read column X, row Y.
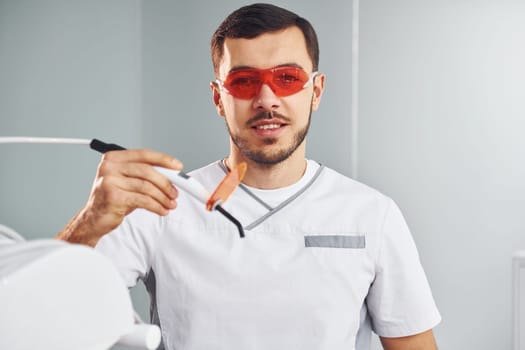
column 145, row 336
column 55, row 295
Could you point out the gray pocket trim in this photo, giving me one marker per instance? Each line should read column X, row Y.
column 335, row 241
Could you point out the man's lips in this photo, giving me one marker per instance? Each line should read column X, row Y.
column 267, row 121
column 269, row 125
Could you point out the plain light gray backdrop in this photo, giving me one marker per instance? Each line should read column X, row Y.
column 439, row 117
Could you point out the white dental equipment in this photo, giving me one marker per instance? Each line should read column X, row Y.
column 60, row 296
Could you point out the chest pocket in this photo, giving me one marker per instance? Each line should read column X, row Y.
column 335, row 241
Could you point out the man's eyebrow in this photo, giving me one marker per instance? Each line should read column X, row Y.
column 236, row 68
column 290, row 65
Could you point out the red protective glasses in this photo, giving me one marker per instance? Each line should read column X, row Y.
column 284, row 81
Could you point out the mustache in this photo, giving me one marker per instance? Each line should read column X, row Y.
column 267, row 115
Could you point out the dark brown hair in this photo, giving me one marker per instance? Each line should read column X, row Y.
column 253, row 20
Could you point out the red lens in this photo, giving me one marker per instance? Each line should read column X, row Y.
column 287, row 81
column 243, row 83
column 284, row 81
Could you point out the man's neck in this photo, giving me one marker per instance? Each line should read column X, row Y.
column 264, row 176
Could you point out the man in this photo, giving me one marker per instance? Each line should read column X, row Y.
column 324, row 258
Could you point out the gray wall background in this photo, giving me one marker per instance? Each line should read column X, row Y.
column 441, row 106
column 67, row 69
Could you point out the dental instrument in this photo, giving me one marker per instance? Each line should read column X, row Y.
column 180, row 179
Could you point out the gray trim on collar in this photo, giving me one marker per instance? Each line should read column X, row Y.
column 272, row 211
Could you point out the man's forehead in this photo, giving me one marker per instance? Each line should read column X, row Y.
column 283, row 47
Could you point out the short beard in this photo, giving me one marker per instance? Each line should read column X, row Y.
column 269, row 160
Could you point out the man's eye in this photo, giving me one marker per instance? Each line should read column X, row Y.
column 287, row 78
column 244, row 81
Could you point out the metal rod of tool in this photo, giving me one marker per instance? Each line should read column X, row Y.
column 29, row 139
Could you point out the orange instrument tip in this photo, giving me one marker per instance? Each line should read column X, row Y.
column 227, row 186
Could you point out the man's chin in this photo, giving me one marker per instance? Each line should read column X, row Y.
column 269, row 159
column 269, row 141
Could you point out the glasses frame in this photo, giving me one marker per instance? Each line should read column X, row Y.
column 263, row 73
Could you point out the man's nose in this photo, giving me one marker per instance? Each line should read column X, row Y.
column 266, row 99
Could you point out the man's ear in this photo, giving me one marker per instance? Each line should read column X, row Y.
column 216, row 95
column 319, row 81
